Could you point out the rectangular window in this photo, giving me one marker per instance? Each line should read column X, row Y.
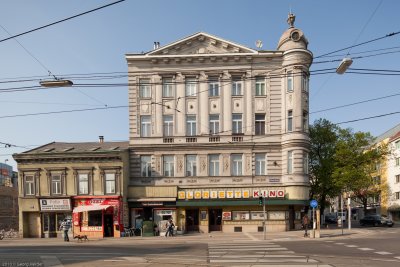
column 145, row 126
column 240, row 215
column 237, row 123
column 377, row 180
column 168, row 87
column 290, row 162
column 144, row 88
column 397, row 161
column 397, row 195
column 213, row 88
column 214, row 124
column 260, row 86
column 145, row 166
column 289, row 81
column 56, row 184
column 191, row 86
column 304, row 82
column 290, row 121
column 397, row 144
column 191, row 125
column 29, row 185
column 83, row 184
column 237, row 86
column 168, row 125
column 305, row 121
column 397, row 179
column 260, row 164
column 168, row 166
column 191, row 165
column 213, row 163
column 305, row 163
column 236, row 164
column 260, row 124
column 110, row 183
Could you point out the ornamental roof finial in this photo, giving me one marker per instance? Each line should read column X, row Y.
column 290, row 20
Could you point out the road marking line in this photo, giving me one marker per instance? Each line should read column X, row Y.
column 365, row 249
column 329, row 241
column 263, row 261
column 250, row 236
column 351, row 246
column 397, row 258
column 52, row 261
column 340, row 243
column 383, row 253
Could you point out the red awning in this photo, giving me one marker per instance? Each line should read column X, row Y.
column 90, row 207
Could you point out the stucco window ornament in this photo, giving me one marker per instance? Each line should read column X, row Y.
column 180, row 165
column 226, row 164
column 203, row 165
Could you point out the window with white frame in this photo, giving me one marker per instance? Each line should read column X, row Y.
column 191, row 165
column 83, row 183
column 110, row 183
column 305, row 163
column 397, row 144
column 191, row 129
column 260, row 86
column 397, row 161
column 397, row 195
column 305, row 121
column 191, row 86
column 289, row 81
column 236, row 86
column 236, row 164
column 144, row 88
column 213, row 88
column 213, row 165
column 260, row 124
column 145, row 126
column 290, row 121
column 397, row 178
column 55, row 184
column 260, row 164
column 145, row 166
column 168, row 125
column 304, row 82
column 168, row 164
column 214, row 123
column 167, row 87
column 237, row 124
column 290, row 162
column 29, row 185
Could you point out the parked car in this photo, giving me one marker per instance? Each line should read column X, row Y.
column 376, row 220
column 330, row 218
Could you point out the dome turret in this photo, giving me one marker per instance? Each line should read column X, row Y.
column 292, row 38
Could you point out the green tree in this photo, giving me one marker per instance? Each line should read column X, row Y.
column 324, row 137
column 355, row 160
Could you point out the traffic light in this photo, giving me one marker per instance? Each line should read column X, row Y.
column 260, row 201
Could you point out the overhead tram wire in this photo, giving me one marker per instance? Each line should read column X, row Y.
column 59, row 21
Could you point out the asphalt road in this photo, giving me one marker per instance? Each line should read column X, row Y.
column 360, row 247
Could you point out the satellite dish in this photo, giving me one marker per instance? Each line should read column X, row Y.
column 259, row 43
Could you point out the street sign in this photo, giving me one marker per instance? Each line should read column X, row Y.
column 313, row 203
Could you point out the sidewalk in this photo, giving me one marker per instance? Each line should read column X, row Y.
column 297, row 235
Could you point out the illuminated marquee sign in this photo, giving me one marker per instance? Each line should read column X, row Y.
column 224, row 194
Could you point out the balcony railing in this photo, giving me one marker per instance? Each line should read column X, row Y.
column 168, row 140
column 214, row 139
column 191, row 140
column 237, row 138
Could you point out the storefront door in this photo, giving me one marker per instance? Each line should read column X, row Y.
column 108, row 225
column 192, row 220
column 215, row 220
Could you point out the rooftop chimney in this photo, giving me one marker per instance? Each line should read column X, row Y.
column 101, row 139
column 156, row 45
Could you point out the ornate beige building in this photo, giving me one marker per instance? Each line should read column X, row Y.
column 214, row 125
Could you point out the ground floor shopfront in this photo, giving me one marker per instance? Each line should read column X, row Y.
column 99, row 216
column 208, row 210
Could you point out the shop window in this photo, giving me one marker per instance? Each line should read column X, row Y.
column 95, row 218
column 257, row 215
column 277, row 215
column 240, row 215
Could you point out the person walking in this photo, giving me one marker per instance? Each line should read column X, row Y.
column 65, row 228
column 167, row 228
column 171, row 227
column 306, row 221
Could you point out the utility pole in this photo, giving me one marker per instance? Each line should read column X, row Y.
column 349, row 212
column 265, row 222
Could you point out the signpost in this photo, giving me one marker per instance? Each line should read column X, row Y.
column 313, row 204
column 265, row 217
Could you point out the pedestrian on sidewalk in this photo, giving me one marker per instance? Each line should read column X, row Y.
column 306, row 221
column 65, row 225
column 171, row 227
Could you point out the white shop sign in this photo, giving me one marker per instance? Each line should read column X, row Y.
column 55, row 204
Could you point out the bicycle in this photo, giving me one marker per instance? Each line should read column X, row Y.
column 8, row 234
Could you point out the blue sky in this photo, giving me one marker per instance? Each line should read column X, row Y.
column 97, row 43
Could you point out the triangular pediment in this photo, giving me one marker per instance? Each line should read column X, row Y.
column 201, row 43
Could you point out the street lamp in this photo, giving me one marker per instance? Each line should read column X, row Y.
column 344, row 65
column 56, row 83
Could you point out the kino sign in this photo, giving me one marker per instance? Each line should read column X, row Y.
column 222, row 194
